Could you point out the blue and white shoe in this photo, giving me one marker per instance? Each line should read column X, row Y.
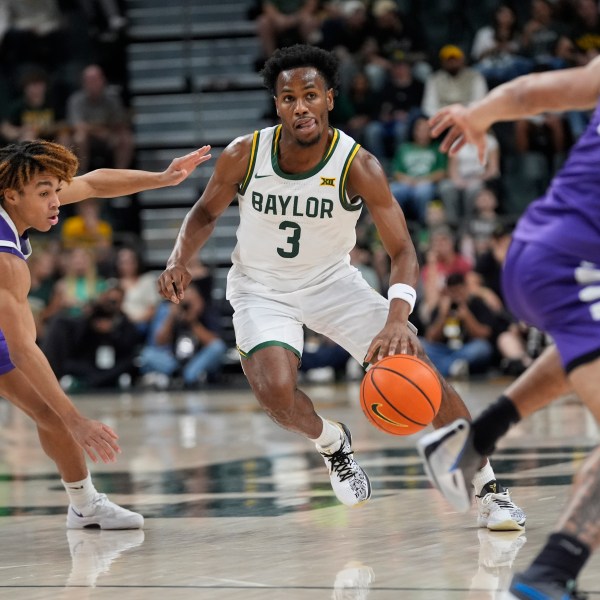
column 523, row 588
column 451, row 462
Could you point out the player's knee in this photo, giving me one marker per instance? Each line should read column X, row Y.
column 276, row 396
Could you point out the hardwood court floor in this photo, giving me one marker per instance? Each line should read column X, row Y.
column 238, row 509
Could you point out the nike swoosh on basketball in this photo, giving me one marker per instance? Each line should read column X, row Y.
column 375, row 409
column 257, row 176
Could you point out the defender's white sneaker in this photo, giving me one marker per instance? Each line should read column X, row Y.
column 349, row 482
column 104, row 514
column 451, row 461
column 497, row 511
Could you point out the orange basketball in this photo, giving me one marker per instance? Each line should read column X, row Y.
column 400, row 394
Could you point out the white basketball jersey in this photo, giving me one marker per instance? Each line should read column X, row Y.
column 295, row 229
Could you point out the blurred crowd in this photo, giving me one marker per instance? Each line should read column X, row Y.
column 100, row 321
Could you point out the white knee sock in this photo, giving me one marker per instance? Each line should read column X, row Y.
column 330, row 439
column 483, row 476
column 81, row 493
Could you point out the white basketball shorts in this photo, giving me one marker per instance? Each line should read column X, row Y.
column 344, row 308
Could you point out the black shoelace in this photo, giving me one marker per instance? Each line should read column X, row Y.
column 341, row 463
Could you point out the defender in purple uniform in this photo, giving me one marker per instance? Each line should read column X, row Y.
column 551, row 280
column 35, row 179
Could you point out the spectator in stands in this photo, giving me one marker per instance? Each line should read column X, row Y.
column 453, row 82
column 344, row 31
column 36, row 35
column 361, row 258
column 355, row 110
column 511, row 336
column 141, row 295
column 458, row 339
column 586, row 31
column 541, row 36
column 441, row 259
column 35, row 114
column 417, row 168
column 323, row 359
column 43, row 270
column 87, row 229
column 545, row 135
column 187, row 343
column 476, row 232
column 434, row 218
column 101, row 129
column 401, row 99
column 398, row 36
column 287, row 22
column 81, row 283
column 496, row 47
column 95, row 350
column 466, row 177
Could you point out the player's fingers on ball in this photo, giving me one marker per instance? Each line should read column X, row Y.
column 404, row 346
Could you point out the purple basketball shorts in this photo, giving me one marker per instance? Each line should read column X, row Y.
column 5, row 362
column 557, row 293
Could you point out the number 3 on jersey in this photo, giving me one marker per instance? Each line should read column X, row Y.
column 293, row 240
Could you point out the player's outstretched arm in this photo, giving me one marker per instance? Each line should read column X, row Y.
column 200, row 221
column 368, row 180
column 16, row 322
column 109, row 183
column 552, row 91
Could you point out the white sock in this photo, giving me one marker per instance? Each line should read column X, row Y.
column 81, row 493
column 483, row 476
column 330, row 439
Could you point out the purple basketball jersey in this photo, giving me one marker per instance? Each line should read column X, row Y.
column 13, row 243
column 567, row 217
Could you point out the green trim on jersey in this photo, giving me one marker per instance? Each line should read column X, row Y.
column 251, row 162
column 343, row 196
column 266, row 345
column 306, row 174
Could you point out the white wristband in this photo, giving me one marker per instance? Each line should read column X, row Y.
column 404, row 292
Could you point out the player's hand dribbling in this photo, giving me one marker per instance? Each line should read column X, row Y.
column 173, row 282
column 97, row 439
column 394, row 338
column 182, row 166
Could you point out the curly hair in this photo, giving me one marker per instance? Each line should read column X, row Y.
column 21, row 162
column 301, row 55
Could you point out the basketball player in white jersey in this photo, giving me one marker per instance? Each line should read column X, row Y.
column 35, row 179
column 300, row 187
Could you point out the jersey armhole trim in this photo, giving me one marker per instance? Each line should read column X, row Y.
column 346, row 169
column 251, row 162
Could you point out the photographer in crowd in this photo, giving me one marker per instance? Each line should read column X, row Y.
column 185, row 344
